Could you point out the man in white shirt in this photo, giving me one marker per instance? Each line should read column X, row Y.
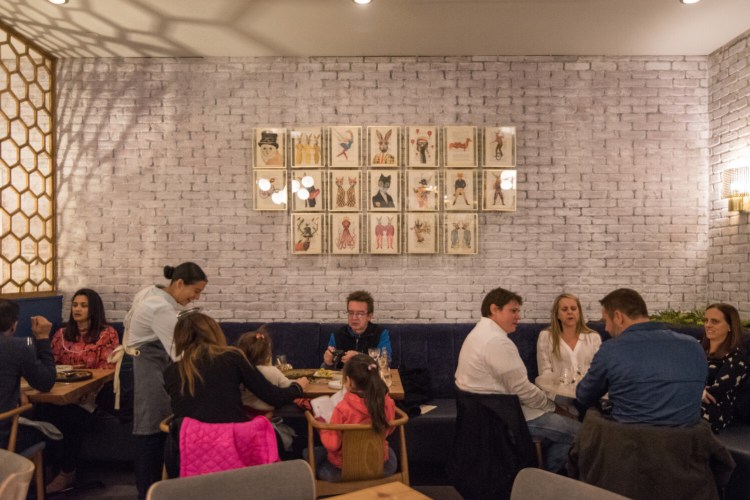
column 489, row 363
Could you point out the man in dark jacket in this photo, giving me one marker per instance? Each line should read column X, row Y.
column 22, row 357
column 358, row 335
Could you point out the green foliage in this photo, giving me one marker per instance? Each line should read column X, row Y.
column 694, row 317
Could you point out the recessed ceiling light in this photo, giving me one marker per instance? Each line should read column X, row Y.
column 362, row 2
column 58, row 2
column 689, row 2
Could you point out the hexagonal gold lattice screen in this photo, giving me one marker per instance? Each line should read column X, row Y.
column 27, row 234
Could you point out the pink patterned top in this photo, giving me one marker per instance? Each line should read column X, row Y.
column 81, row 353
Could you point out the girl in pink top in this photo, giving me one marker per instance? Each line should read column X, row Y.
column 87, row 340
column 366, row 402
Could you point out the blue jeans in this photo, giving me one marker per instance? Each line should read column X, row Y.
column 326, row 471
column 559, row 432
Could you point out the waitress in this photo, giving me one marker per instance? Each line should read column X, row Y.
column 149, row 331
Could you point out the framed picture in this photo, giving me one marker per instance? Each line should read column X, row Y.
column 384, row 233
column 460, row 146
column 307, row 234
column 460, row 189
column 499, row 147
column 307, row 146
column 269, row 189
column 344, row 190
column 421, row 232
column 422, row 190
column 384, row 146
column 461, row 233
column 384, row 193
column 345, row 231
column 345, row 146
column 270, row 147
column 500, row 190
column 308, row 194
column 422, row 146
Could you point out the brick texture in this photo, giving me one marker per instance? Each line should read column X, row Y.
column 729, row 232
column 155, row 155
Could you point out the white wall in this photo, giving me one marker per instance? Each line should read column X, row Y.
column 155, row 158
column 729, row 232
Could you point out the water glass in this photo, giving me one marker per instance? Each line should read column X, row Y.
column 566, row 376
column 374, row 353
column 281, row 363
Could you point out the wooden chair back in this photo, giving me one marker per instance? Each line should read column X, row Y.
column 34, row 453
column 362, row 462
column 15, row 475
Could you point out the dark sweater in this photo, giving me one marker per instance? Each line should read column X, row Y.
column 218, row 398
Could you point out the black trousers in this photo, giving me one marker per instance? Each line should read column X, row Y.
column 149, row 459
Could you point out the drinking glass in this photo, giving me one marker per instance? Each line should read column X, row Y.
column 281, row 363
column 384, row 368
column 566, row 376
column 374, row 353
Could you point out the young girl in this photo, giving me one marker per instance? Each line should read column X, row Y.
column 257, row 347
column 366, row 401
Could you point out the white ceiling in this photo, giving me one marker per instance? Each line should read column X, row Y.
column 108, row 28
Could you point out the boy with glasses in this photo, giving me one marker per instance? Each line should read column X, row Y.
column 358, row 335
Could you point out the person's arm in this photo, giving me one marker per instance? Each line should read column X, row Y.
column 108, row 342
column 163, row 323
column 385, row 341
column 255, row 382
column 594, row 384
column 328, row 353
column 543, row 352
column 507, row 367
column 38, row 367
column 332, row 440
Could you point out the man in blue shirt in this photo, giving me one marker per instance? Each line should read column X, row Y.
column 653, row 375
column 358, row 335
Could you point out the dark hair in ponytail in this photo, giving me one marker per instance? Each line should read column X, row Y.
column 188, row 272
column 364, row 374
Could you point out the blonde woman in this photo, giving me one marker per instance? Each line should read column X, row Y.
column 568, row 343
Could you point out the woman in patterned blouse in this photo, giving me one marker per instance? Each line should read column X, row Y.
column 727, row 368
column 87, row 340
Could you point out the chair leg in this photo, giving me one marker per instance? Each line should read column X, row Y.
column 39, row 474
column 539, row 453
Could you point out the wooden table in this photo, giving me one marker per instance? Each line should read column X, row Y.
column 65, row 393
column 392, row 491
column 551, row 383
column 320, row 387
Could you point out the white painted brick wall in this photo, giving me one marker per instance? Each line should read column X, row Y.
column 729, row 232
column 154, row 168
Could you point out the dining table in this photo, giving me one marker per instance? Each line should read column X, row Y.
column 65, row 393
column 550, row 383
column 326, row 386
column 393, row 491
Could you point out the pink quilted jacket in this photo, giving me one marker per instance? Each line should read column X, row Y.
column 208, row 448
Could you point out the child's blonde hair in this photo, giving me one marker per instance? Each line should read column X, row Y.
column 256, row 346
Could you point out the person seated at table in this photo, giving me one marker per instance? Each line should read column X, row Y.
column 654, row 376
column 204, row 384
column 86, row 341
column 568, row 344
column 31, row 360
column 358, row 335
column 257, row 347
column 727, row 368
column 366, row 401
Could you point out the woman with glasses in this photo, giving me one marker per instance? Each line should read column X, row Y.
column 358, row 335
column 149, row 338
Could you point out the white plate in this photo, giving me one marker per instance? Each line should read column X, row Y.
column 64, row 368
column 334, row 384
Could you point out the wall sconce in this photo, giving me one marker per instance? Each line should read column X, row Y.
column 736, row 188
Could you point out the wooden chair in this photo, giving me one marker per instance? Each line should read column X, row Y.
column 164, row 427
column 362, row 465
column 15, row 475
column 34, row 453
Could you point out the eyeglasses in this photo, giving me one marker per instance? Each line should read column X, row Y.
column 356, row 314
